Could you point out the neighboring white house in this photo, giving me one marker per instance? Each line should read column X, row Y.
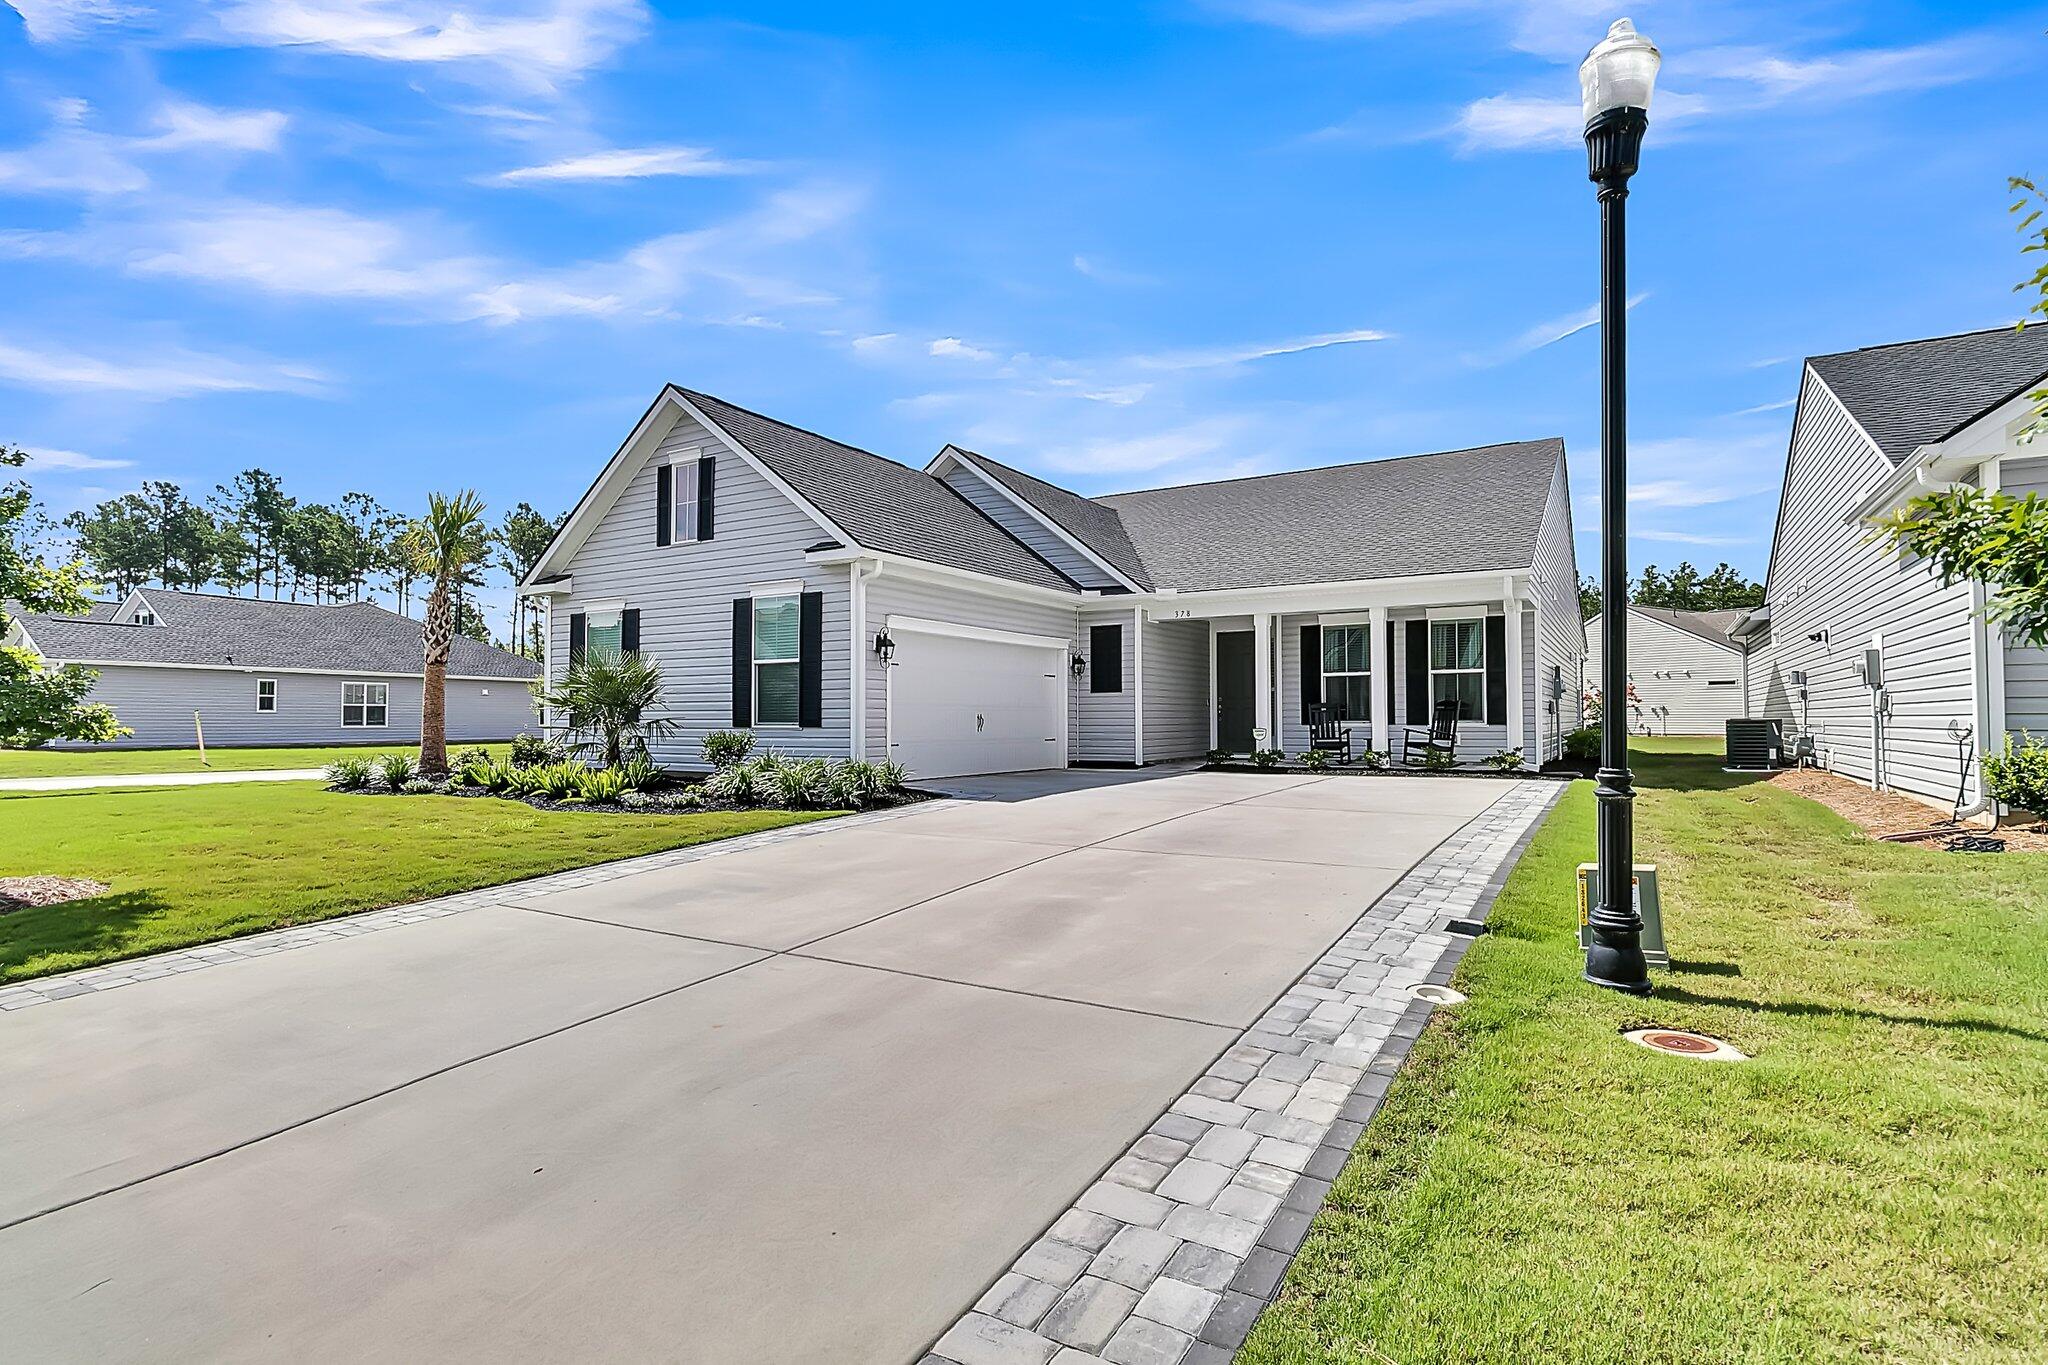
column 262, row 672
column 969, row 618
column 1686, row 668
column 1892, row 674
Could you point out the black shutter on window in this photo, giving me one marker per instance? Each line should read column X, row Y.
column 1311, row 671
column 664, row 505
column 1392, row 668
column 629, row 631
column 742, row 662
column 1105, row 658
column 810, row 661
column 707, row 472
column 577, row 635
column 1418, row 672
column 1496, row 670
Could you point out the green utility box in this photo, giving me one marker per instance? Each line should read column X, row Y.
column 1647, row 905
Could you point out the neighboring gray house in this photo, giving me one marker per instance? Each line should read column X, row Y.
column 261, row 672
column 969, row 618
column 1686, row 667
column 1859, row 646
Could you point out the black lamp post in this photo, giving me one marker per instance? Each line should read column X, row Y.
column 1616, row 79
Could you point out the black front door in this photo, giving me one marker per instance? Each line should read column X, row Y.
column 1234, row 687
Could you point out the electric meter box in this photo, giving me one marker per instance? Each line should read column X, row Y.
column 1647, row 905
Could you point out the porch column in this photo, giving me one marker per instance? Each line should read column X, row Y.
column 1262, row 681
column 1517, row 740
column 1382, row 699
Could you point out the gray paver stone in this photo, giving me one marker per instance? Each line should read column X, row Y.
column 1156, row 1147
column 1089, row 1313
column 1081, row 1228
column 978, row 1339
column 1143, row 1342
column 1233, row 1235
column 1125, row 1204
column 1290, row 1156
column 1204, row 1266
column 1194, row 1181
column 1134, row 1257
column 1179, row 1305
column 1018, row 1300
column 1135, row 1172
column 1054, row 1262
column 1242, row 1201
column 1225, row 1146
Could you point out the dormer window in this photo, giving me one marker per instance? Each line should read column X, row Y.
column 143, row 617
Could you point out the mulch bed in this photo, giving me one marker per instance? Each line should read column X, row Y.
column 660, row 803
column 1884, row 813
column 18, row 893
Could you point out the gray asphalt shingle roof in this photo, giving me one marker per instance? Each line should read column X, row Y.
column 1457, row 511
column 883, row 505
column 204, row 628
column 1708, row 625
column 1913, row 393
column 1086, row 520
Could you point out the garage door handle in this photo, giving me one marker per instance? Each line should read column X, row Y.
column 979, row 721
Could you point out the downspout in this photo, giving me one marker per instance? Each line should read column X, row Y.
column 1980, row 696
column 857, row 672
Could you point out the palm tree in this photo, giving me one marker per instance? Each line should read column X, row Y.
column 445, row 545
column 604, row 702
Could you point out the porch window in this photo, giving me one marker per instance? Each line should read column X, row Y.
column 776, row 660
column 1457, row 666
column 1347, row 671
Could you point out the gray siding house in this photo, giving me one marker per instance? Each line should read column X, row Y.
column 968, row 617
column 265, row 673
column 1688, row 670
column 1893, row 674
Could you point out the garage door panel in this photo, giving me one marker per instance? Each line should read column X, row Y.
column 959, row 706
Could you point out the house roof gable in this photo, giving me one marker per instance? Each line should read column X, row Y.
column 1913, row 393
column 1094, row 524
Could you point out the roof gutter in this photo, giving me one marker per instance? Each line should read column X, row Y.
column 1009, row 587
column 1933, row 469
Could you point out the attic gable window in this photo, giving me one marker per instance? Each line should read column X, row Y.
column 143, row 617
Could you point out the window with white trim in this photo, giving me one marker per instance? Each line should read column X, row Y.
column 365, row 704
column 1457, row 666
column 683, row 495
column 1347, row 671
column 143, row 617
column 604, row 634
column 776, row 654
column 266, row 694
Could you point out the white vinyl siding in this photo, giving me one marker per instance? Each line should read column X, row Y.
column 2026, row 670
column 1176, row 686
column 685, row 602
column 1688, row 685
column 1559, row 643
column 1050, row 546
column 1829, row 576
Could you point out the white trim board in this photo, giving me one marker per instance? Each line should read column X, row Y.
column 1066, row 537
column 926, row 626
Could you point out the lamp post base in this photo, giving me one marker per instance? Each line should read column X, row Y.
column 1618, row 967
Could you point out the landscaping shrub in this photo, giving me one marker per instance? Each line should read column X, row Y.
column 857, row 784
column 738, row 784
column 421, row 786
column 1438, row 760
column 1267, row 758
column 893, row 777
column 470, row 757
column 349, row 774
column 530, row 751
column 723, row 748
column 561, row 780
column 1583, row 744
column 800, row 784
column 606, row 701
column 1218, row 755
column 641, row 773
column 1506, row 761
column 600, row 786
column 2018, row 774
column 1315, row 760
column 1373, row 758
column 528, row 781
column 397, row 770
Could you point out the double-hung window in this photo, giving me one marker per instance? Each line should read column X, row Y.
column 365, row 704
column 1457, row 666
column 604, row 634
column 683, row 514
column 1347, row 671
column 776, row 655
column 266, row 694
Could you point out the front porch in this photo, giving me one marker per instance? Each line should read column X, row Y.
column 1379, row 668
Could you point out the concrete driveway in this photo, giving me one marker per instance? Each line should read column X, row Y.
column 801, row 1102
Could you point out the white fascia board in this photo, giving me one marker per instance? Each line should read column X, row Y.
column 961, row 457
column 128, row 605
column 267, row 670
column 920, row 625
column 19, row 638
column 561, row 587
column 1417, row 590
column 903, row 566
column 611, row 481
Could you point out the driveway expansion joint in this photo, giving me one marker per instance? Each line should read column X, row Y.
column 1170, row 1256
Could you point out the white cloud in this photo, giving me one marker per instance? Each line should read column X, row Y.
column 1548, row 333
column 627, row 163
column 173, row 373
column 875, row 343
column 1778, row 406
column 1556, row 27
column 1141, row 453
column 1681, row 493
column 1103, row 273
column 72, row 158
column 317, row 252
column 50, row 21
column 1689, row 538
column 953, row 348
column 1209, row 358
column 42, row 457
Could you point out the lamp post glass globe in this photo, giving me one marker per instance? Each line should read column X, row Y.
column 1619, row 73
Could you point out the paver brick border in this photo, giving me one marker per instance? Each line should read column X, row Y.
column 1182, row 1241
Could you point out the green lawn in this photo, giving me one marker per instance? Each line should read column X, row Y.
column 104, row 762
column 1872, row 1186
column 194, row 864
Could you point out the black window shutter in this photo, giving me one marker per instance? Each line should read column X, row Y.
column 577, row 635
column 1496, row 670
column 810, row 661
column 1106, row 658
column 664, row 505
column 1418, row 673
column 707, row 480
column 1311, row 671
column 1392, row 669
column 743, row 662
column 629, row 631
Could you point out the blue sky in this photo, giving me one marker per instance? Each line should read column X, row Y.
column 398, row 245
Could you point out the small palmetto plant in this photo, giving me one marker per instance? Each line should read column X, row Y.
column 562, row 780
column 601, row 786
column 641, row 773
column 350, row 774
column 604, row 702
column 397, row 770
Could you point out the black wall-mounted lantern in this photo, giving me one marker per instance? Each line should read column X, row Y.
column 885, row 648
column 1077, row 665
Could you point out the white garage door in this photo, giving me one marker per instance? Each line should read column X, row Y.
column 959, row 706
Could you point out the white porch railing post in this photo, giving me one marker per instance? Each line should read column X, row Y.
column 1262, row 680
column 1382, row 699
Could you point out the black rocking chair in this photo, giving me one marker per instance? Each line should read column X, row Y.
column 1326, row 732
column 1441, row 736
